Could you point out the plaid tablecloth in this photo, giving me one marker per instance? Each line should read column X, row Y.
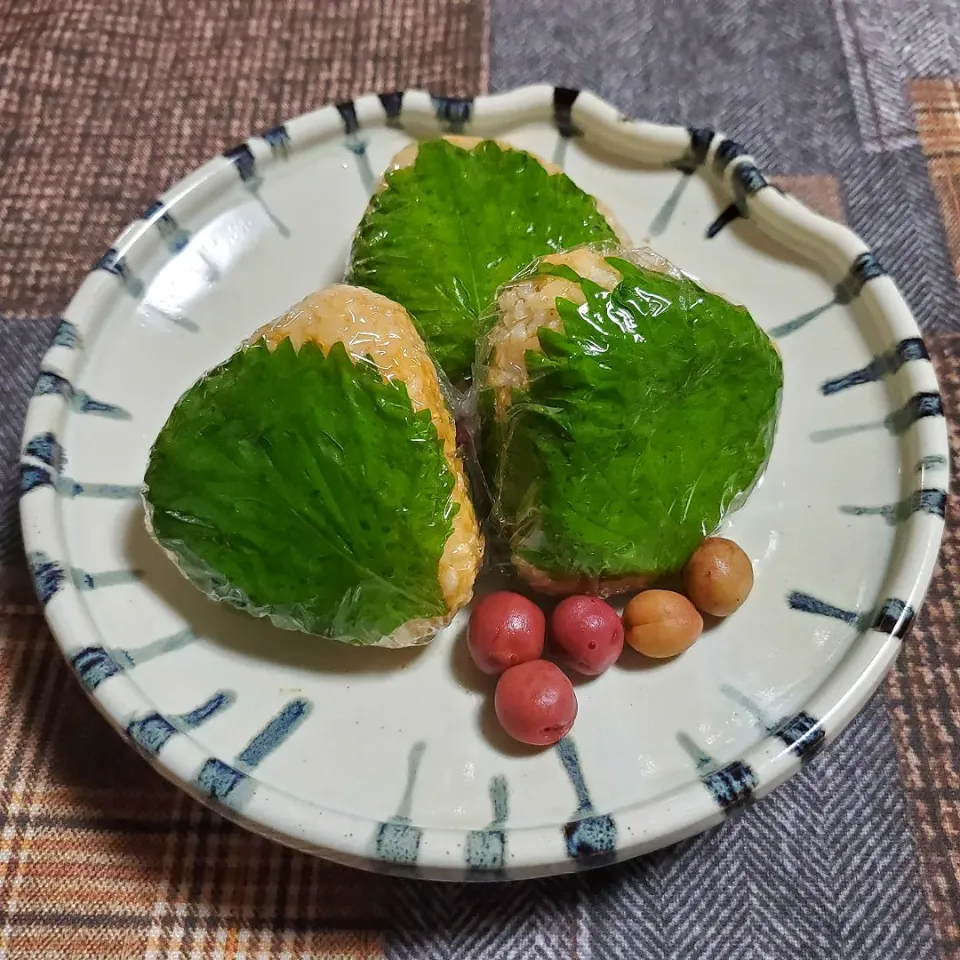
column 103, row 103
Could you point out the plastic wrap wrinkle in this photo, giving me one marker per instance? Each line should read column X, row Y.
column 371, row 334
column 453, row 218
column 625, row 415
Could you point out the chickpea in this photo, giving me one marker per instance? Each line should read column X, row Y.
column 661, row 623
column 718, row 577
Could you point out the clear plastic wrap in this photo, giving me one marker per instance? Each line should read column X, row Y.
column 625, row 410
column 453, row 219
column 313, row 478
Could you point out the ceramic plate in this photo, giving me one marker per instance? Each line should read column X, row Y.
column 389, row 760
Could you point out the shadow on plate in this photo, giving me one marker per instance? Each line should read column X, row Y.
column 244, row 635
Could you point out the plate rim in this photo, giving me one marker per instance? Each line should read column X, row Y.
column 540, row 850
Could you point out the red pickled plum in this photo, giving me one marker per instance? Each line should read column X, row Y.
column 589, row 632
column 506, row 629
column 535, row 703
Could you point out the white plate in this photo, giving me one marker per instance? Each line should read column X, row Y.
column 389, row 760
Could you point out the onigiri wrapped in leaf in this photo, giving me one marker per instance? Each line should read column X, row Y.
column 626, row 410
column 453, row 220
column 313, row 478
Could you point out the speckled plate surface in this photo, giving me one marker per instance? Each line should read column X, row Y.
column 389, row 760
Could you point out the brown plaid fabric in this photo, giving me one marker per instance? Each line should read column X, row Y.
column 924, row 690
column 105, row 103
column 924, row 695
column 102, row 859
column 937, row 107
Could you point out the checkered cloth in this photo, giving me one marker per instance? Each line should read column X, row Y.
column 854, row 107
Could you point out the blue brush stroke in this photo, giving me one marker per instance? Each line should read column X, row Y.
column 175, row 237
column 48, row 575
column 69, row 488
column 802, row 733
column 453, row 113
column 805, row 603
column 731, row 786
column 96, row 664
column 695, row 155
column 278, row 139
column 487, row 849
column 245, row 164
column 50, row 383
column 840, row 433
column 348, row 114
column 864, row 268
column 278, row 730
column 559, row 157
column 355, row 143
column 358, row 147
column 93, row 666
column 883, row 365
column 114, row 263
column 746, row 180
column 153, row 731
column 932, row 461
column 111, row 578
column 47, row 449
column 929, row 501
column 726, row 152
column 791, row 326
column 218, row 781
column 726, row 217
column 231, row 784
column 590, row 836
column 33, row 477
column 894, row 617
column 563, row 101
column 701, row 759
column 128, row 658
column 68, row 336
column 173, row 316
column 665, row 214
column 397, row 840
column 918, row 407
column 392, row 104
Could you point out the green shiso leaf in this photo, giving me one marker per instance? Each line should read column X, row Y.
column 648, row 418
column 305, row 488
column 457, row 224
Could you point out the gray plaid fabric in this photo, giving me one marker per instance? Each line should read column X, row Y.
column 22, row 344
column 822, row 870
column 775, row 76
